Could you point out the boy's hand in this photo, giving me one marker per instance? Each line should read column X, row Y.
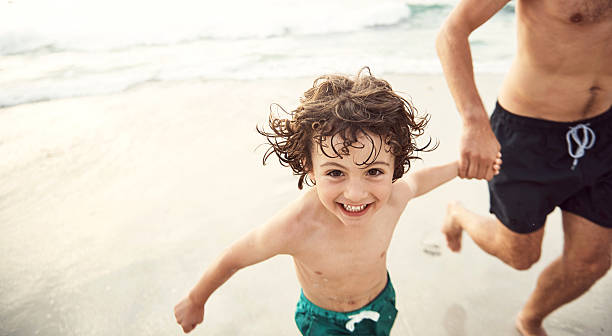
column 188, row 314
column 497, row 164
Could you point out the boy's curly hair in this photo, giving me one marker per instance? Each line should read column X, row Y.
column 337, row 105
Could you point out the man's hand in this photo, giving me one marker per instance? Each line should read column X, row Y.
column 188, row 314
column 479, row 152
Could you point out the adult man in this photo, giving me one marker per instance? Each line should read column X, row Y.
column 554, row 123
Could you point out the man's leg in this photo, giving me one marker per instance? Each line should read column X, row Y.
column 587, row 255
column 515, row 249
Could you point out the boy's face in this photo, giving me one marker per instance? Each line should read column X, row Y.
column 349, row 189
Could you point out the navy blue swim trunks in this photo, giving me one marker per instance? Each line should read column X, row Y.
column 548, row 164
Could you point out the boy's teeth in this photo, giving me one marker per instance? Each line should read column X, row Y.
column 354, row 208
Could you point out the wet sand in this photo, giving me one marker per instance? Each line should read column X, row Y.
column 112, row 206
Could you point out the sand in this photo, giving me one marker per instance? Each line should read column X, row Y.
column 112, row 206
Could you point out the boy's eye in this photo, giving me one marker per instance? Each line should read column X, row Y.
column 374, row 172
column 335, row 173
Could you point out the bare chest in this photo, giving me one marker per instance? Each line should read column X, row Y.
column 337, row 253
column 352, row 253
column 562, row 68
column 581, row 11
column 344, row 274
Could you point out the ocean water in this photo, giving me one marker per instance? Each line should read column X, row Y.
column 66, row 48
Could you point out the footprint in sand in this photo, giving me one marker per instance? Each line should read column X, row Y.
column 432, row 246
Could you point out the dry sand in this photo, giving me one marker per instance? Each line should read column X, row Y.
column 112, row 206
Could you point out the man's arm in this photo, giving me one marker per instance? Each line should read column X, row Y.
column 256, row 246
column 478, row 147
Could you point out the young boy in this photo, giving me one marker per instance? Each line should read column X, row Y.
column 352, row 139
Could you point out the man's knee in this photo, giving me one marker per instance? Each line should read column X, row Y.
column 591, row 266
column 522, row 250
column 523, row 259
column 600, row 268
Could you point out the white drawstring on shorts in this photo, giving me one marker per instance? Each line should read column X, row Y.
column 365, row 314
column 583, row 143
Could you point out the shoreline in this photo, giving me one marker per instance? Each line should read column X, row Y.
column 156, row 84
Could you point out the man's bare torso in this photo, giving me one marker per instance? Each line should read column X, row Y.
column 563, row 67
column 342, row 268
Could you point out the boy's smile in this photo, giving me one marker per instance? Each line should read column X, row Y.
column 354, row 210
column 355, row 186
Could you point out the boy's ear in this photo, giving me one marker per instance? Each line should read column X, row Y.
column 311, row 175
column 308, row 170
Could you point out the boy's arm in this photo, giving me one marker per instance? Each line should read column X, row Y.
column 425, row 179
column 258, row 245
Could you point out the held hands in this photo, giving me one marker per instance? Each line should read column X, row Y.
column 497, row 164
column 188, row 314
column 480, row 152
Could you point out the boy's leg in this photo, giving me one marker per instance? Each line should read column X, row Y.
column 586, row 258
column 518, row 250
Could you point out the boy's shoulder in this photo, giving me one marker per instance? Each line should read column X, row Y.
column 401, row 193
column 296, row 222
column 307, row 209
column 301, row 213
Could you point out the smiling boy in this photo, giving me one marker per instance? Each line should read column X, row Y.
column 352, row 139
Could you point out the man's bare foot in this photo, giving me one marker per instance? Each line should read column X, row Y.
column 529, row 329
column 451, row 229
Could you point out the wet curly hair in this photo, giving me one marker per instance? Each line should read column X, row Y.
column 350, row 108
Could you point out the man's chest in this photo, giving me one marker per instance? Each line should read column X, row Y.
column 581, row 11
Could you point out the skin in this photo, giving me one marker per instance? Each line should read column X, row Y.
column 339, row 256
column 561, row 72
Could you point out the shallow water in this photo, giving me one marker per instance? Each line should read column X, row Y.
column 67, row 48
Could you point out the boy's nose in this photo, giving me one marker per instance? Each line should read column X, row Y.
column 355, row 192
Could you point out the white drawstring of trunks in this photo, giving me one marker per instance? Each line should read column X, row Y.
column 583, row 143
column 365, row 314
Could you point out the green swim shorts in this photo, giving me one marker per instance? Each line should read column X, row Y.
column 375, row 318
